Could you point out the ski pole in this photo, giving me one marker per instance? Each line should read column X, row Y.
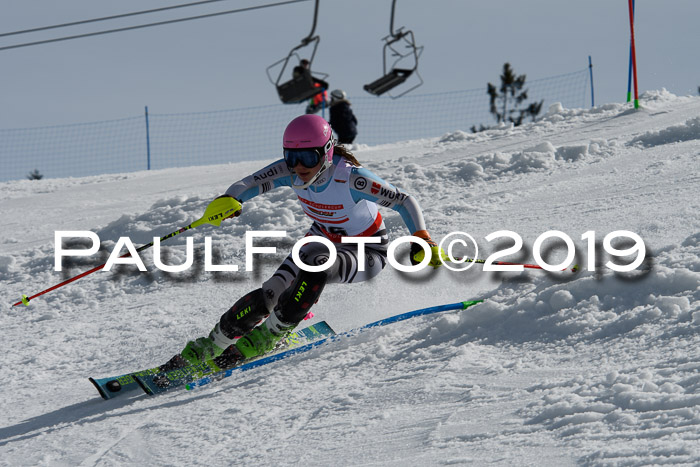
column 505, row 263
column 218, row 210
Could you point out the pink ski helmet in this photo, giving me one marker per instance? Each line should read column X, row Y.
column 310, row 132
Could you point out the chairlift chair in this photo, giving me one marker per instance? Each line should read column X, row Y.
column 299, row 88
column 397, row 75
column 305, row 85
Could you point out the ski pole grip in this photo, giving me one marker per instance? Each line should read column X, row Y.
column 219, row 209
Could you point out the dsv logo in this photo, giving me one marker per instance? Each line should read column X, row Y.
column 360, row 183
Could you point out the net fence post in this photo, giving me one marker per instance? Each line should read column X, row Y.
column 590, row 67
column 148, row 143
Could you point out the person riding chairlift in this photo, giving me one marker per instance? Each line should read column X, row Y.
column 318, row 101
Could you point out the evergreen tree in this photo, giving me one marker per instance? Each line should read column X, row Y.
column 506, row 101
column 35, row 175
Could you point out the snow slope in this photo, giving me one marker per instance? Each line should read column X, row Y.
column 593, row 368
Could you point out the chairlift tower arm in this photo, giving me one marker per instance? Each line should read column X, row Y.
column 311, row 37
column 391, row 23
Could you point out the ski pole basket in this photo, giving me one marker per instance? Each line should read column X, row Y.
column 401, row 46
column 304, row 83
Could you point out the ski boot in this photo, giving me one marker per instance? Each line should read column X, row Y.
column 292, row 307
column 264, row 338
column 245, row 314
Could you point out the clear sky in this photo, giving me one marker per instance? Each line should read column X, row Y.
column 219, row 63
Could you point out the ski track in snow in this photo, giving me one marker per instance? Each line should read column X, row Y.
column 593, row 368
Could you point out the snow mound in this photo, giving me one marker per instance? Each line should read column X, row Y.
column 457, row 136
column 543, row 157
column 7, row 264
column 690, row 130
column 663, row 301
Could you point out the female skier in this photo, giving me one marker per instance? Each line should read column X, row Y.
column 341, row 198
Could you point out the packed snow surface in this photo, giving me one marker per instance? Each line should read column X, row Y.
column 554, row 368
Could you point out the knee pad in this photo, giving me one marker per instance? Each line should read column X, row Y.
column 295, row 302
column 244, row 315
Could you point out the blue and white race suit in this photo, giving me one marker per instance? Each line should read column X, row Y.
column 342, row 202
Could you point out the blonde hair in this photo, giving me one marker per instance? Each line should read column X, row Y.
column 345, row 152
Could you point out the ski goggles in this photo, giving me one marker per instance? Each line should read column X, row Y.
column 308, row 157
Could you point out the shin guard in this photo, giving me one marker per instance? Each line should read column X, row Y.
column 243, row 316
column 295, row 302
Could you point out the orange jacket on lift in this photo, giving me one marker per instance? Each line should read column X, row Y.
column 320, row 97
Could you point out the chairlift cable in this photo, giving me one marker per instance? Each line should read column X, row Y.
column 105, row 18
column 160, row 23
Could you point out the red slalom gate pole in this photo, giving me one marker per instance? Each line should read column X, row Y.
column 633, row 52
column 506, row 263
column 25, row 300
column 221, row 208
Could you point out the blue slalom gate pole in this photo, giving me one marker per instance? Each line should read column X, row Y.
column 421, row 312
column 629, row 74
